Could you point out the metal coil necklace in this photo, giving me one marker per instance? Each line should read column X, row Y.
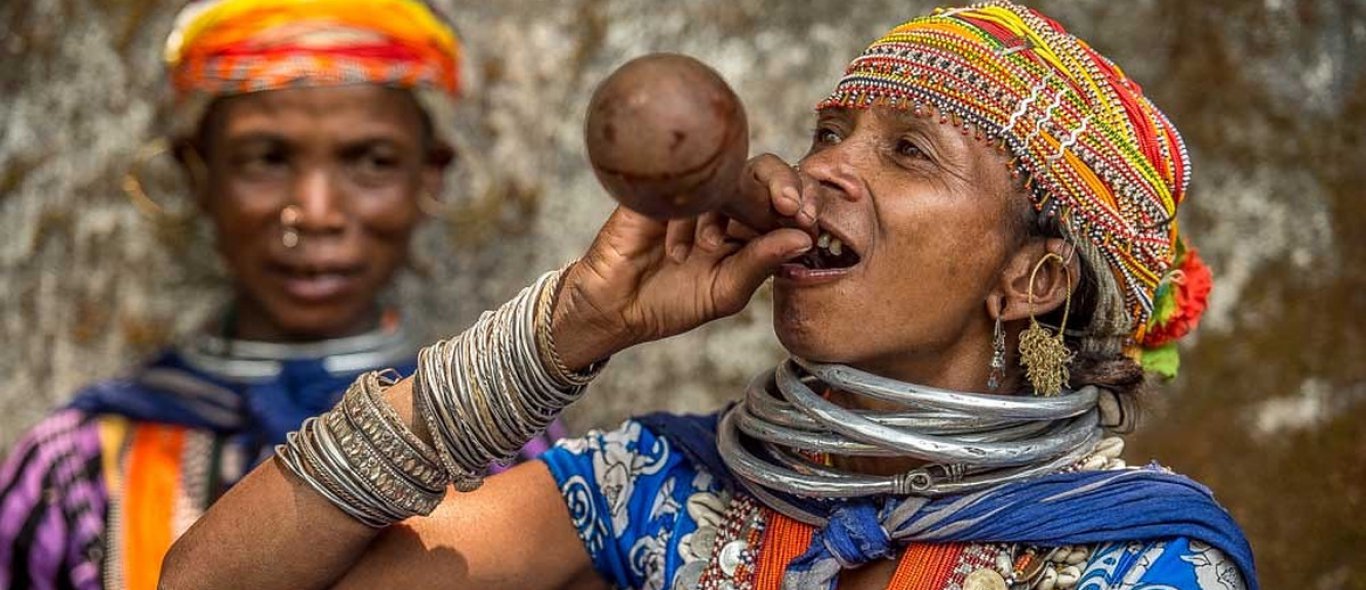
column 970, row 440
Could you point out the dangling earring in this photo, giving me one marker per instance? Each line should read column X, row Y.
column 289, row 220
column 137, row 193
column 428, row 203
column 1044, row 355
column 998, row 356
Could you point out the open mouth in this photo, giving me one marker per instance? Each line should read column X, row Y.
column 830, row 253
column 316, row 282
column 314, row 272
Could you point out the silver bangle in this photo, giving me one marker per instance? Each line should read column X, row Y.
column 486, row 392
column 306, row 465
column 304, row 455
column 545, row 340
column 362, row 458
column 411, row 458
column 381, row 482
column 463, row 480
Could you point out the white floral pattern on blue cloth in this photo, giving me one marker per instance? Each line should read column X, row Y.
column 627, row 492
column 1176, row 564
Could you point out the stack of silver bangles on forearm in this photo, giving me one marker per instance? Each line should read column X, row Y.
column 969, row 440
column 481, row 395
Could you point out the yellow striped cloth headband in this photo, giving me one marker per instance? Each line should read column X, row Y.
column 224, row 47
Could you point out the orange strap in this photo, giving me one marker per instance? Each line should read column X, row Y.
column 150, row 487
column 922, row 566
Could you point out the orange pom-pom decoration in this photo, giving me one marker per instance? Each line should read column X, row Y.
column 1189, row 286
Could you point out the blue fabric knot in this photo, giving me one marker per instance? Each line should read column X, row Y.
column 851, row 537
column 855, row 537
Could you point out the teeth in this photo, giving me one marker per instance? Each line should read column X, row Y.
column 836, row 246
column 823, row 241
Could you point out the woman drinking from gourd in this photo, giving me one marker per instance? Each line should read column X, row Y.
column 980, row 246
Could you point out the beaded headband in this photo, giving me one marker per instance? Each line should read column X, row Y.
column 226, row 47
column 1097, row 152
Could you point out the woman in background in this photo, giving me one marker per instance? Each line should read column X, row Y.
column 310, row 131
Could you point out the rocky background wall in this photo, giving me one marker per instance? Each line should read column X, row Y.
column 1270, row 94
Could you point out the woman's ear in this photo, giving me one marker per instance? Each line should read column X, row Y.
column 439, row 157
column 1054, row 280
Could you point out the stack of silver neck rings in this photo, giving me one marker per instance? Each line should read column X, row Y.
column 970, row 440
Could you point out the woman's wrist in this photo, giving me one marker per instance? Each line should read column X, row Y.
column 582, row 335
column 387, row 451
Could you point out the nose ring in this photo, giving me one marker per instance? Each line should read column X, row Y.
column 289, row 219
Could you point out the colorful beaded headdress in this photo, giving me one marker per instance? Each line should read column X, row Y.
column 224, row 47
column 1096, row 151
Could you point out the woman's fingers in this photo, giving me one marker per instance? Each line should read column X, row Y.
column 741, row 273
column 711, row 231
column 811, row 203
column 679, row 239
column 739, row 231
column 789, row 191
column 781, row 180
column 628, row 235
column 644, row 279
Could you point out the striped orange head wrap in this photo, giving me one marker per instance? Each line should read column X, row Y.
column 225, row 47
column 1098, row 154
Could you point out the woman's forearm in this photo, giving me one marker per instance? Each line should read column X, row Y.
column 474, row 396
column 272, row 530
column 299, row 521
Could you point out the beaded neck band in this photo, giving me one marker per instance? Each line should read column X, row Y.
column 1097, row 153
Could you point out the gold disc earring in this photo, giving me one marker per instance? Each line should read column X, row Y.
column 1044, row 355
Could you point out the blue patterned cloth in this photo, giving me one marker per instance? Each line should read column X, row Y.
column 636, row 502
column 259, row 413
